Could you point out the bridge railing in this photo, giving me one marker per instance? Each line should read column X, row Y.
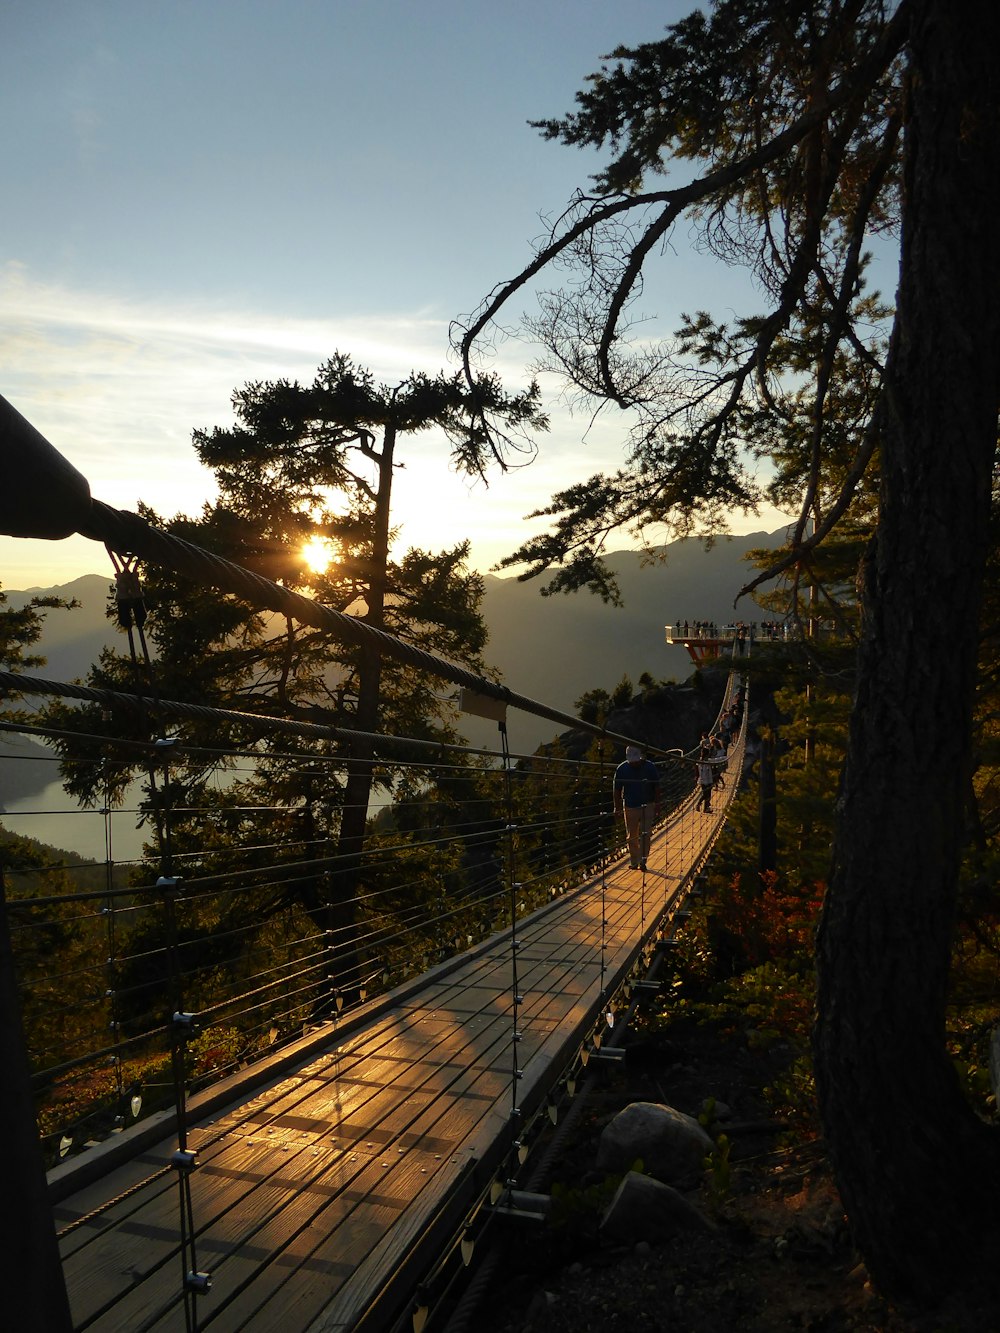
column 222, row 935
column 228, row 929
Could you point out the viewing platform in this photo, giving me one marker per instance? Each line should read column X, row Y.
column 706, row 640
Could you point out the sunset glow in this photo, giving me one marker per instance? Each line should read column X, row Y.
column 318, row 553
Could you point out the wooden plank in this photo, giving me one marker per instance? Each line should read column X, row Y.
column 451, row 1119
column 347, row 1236
column 404, row 1145
column 309, row 1195
column 303, row 1301
column 146, row 1240
column 125, row 1177
column 376, row 1270
column 109, row 1256
column 153, row 1229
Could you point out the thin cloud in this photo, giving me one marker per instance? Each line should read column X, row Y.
column 103, row 377
column 118, row 385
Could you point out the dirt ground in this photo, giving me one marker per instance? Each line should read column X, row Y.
column 779, row 1257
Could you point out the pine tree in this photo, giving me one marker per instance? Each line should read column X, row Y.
column 304, row 465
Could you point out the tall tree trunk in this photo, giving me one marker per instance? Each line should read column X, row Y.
column 357, row 790
column 767, row 809
column 916, row 1167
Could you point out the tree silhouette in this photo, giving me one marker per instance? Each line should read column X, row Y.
column 303, row 464
column 807, row 128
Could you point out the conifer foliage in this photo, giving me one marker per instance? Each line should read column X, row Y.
column 306, row 469
column 806, row 130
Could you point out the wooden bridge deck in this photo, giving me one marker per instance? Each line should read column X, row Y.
column 318, row 1196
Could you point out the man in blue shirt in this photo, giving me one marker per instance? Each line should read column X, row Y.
column 637, row 795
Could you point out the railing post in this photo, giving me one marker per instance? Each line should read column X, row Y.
column 31, row 1276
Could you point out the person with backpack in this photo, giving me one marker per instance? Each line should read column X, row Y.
column 636, row 790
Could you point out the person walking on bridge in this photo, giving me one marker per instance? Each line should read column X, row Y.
column 637, row 796
column 707, row 765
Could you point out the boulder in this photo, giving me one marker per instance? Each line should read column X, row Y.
column 672, row 1146
column 644, row 1209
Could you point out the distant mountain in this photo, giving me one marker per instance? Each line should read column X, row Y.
column 550, row 649
column 72, row 640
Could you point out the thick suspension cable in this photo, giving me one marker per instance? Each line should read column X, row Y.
column 131, row 536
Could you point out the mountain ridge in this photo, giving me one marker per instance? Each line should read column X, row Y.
column 597, row 643
column 551, row 649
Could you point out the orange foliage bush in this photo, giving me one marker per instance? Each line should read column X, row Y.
column 774, row 922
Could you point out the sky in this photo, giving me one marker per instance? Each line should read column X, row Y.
column 200, row 195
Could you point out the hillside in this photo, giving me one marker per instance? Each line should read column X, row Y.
column 551, row 648
column 71, row 640
column 26, row 768
column 565, row 644
column 555, row 648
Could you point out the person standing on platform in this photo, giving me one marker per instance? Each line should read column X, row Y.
column 636, row 791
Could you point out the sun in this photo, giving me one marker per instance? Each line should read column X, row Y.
column 318, row 554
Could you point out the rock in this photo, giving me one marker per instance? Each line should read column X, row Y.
column 646, row 1209
column 541, row 1303
column 671, row 1145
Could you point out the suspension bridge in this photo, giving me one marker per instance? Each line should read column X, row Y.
column 261, row 1105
